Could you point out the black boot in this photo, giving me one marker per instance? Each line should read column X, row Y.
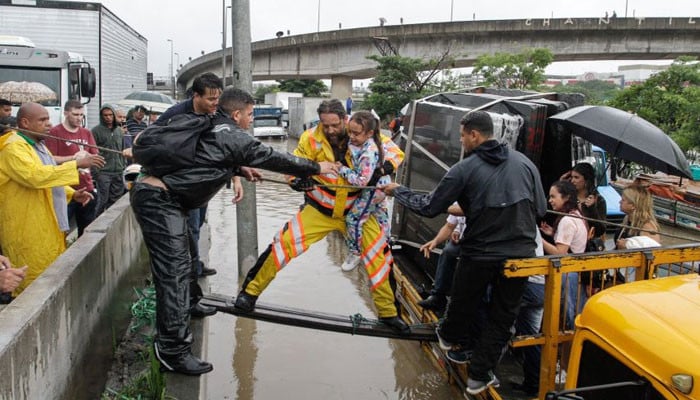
column 186, row 364
column 207, row 271
column 245, row 302
column 434, row 302
column 396, row 324
column 200, row 311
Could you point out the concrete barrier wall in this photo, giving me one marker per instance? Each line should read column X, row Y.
column 58, row 336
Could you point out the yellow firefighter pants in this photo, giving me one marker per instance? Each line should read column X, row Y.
column 309, row 226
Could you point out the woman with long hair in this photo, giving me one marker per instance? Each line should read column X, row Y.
column 637, row 204
column 590, row 202
column 570, row 234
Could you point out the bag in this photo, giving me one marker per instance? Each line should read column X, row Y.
column 601, row 278
column 163, row 149
column 595, row 244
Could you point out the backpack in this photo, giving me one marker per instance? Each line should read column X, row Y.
column 163, row 149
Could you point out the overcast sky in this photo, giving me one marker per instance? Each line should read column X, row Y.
column 196, row 25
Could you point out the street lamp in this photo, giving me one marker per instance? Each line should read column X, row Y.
column 172, row 77
column 177, row 64
column 318, row 14
column 223, row 43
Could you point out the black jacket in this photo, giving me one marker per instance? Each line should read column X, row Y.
column 501, row 195
column 219, row 153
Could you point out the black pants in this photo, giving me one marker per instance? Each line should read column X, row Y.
column 84, row 214
column 471, row 281
column 164, row 226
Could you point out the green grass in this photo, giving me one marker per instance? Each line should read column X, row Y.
column 150, row 383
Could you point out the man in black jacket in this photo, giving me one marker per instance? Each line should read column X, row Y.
column 161, row 198
column 501, row 195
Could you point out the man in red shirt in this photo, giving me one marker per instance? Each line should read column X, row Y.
column 72, row 129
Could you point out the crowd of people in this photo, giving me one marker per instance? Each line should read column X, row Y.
column 494, row 198
column 51, row 176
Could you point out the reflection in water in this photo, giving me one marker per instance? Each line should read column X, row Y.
column 244, row 356
column 260, row 360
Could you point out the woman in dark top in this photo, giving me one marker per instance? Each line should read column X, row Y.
column 590, row 202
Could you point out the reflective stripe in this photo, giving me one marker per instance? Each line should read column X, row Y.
column 380, row 276
column 278, row 254
column 374, row 250
column 370, row 255
column 327, row 200
column 297, row 231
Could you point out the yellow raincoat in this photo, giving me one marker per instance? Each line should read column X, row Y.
column 29, row 232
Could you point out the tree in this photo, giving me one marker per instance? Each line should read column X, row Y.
column 400, row 80
column 524, row 70
column 262, row 90
column 596, row 91
column 309, row 87
column 669, row 100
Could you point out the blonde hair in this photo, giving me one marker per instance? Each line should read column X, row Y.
column 643, row 212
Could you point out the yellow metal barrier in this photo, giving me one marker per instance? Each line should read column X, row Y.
column 628, row 264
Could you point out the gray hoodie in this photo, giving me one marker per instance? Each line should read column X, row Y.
column 111, row 138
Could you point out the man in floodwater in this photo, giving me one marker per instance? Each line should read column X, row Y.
column 324, row 211
column 161, row 200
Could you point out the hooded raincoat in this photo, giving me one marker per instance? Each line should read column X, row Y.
column 29, row 231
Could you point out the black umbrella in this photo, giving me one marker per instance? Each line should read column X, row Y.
column 626, row 136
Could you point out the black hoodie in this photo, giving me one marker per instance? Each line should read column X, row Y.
column 501, row 194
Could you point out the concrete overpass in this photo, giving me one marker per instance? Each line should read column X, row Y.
column 341, row 55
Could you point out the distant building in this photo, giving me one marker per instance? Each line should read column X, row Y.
column 626, row 75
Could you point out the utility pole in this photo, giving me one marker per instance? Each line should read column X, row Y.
column 172, row 77
column 223, row 42
column 242, row 78
column 452, row 9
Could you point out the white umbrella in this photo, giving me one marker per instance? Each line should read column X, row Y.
column 26, row 92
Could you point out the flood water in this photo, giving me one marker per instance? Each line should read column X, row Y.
column 260, row 360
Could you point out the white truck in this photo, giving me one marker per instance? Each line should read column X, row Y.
column 116, row 51
column 48, row 77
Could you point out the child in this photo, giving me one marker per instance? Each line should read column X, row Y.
column 367, row 154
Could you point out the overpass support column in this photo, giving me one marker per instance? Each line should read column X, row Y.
column 341, row 87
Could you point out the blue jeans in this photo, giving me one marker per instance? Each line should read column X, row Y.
column 195, row 220
column 574, row 300
column 445, row 269
column 529, row 322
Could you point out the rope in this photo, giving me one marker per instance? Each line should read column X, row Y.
column 322, row 185
column 620, row 225
column 3, row 126
column 356, row 320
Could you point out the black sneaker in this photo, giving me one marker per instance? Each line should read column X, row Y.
column 200, row 311
column 434, row 302
column 207, row 271
column 245, row 302
column 396, row 324
column 186, row 364
column 459, row 356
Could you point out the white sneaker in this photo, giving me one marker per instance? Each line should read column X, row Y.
column 350, row 262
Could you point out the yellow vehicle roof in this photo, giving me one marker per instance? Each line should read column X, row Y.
column 655, row 323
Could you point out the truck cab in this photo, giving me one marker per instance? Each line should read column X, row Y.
column 611, row 196
column 637, row 341
column 47, row 77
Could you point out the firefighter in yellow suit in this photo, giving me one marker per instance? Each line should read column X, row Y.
column 324, row 211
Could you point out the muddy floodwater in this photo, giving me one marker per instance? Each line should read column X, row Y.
column 260, row 360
